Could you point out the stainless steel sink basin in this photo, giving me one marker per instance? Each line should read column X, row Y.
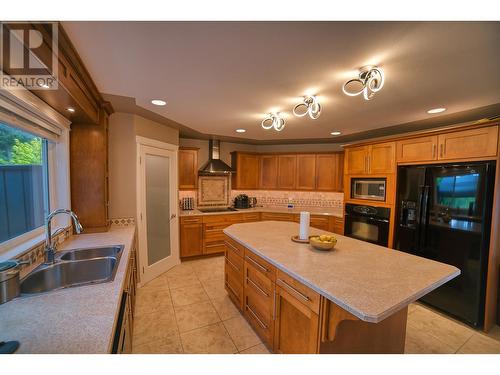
column 74, row 268
column 90, row 253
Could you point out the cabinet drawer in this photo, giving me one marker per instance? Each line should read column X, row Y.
column 260, row 316
column 234, row 284
column 214, row 248
column 219, row 219
column 255, row 216
column 191, row 219
column 258, row 281
column 234, row 246
column 262, row 266
column 277, row 216
column 302, row 293
column 234, row 261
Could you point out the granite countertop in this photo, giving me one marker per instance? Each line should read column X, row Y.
column 370, row 281
column 72, row 320
column 328, row 211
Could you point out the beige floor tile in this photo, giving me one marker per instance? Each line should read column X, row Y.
column 188, row 295
column 444, row 329
column 182, row 281
column 166, row 345
column 225, row 308
column 480, row 344
column 158, row 282
column 241, row 333
column 214, row 288
column 182, row 269
column 154, row 326
column 149, row 300
column 257, row 349
column 419, row 342
column 210, row 272
column 195, row 316
column 212, row 339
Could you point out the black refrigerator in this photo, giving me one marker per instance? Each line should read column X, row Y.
column 444, row 213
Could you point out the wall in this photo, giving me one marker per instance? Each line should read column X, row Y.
column 123, row 129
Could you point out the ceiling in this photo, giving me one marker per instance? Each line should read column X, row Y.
column 220, row 76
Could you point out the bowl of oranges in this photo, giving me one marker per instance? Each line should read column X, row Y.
column 323, row 242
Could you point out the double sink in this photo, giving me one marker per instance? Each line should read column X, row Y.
column 74, row 268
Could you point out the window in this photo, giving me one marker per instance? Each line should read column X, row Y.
column 24, row 190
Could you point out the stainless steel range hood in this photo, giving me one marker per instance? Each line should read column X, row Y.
column 214, row 166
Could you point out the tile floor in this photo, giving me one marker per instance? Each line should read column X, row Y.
column 187, row 310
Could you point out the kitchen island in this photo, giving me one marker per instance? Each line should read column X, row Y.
column 353, row 299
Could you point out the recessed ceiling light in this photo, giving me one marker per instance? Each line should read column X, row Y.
column 436, row 110
column 70, row 109
column 240, row 130
column 336, row 133
column 158, row 102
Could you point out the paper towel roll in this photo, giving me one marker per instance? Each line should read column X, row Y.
column 304, row 225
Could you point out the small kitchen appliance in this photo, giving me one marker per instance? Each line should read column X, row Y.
column 242, row 201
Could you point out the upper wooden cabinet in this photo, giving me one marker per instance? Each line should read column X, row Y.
column 417, row 149
column 247, row 170
column 378, row 158
column 306, row 172
column 474, row 143
column 268, row 171
column 188, row 168
column 459, row 145
column 287, row 170
column 329, row 172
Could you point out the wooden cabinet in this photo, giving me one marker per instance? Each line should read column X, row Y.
column 329, row 172
column 188, row 168
column 277, row 216
column 247, row 170
column 287, row 170
column 191, row 236
column 233, row 271
column 306, row 172
column 372, row 159
column 338, row 225
column 297, row 320
column 417, row 149
column 89, row 174
column 320, row 222
column 268, row 172
column 467, row 144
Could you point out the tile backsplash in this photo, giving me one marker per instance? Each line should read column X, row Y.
column 283, row 198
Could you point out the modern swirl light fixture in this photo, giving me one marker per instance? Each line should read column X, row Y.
column 371, row 79
column 273, row 121
column 309, row 106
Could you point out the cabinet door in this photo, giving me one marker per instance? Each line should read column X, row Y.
column 338, row 225
column 287, row 167
column 306, row 172
column 329, row 172
column 268, row 172
column 417, row 149
column 357, row 160
column 382, row 158
column 247, row 171
column 475, row 143
column 188, row 169
column 296, row 326
column 191, row 239
column 320, row 222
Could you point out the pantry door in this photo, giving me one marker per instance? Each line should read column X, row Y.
column 157, row 208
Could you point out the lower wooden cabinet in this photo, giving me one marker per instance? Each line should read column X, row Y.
column 191, row 236
column 278, row 216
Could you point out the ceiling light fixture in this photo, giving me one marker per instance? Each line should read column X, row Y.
column 436, row 110
column 309, row 106
column 70, row 109
column 336, row 133
column 273, row 121
column 371, row 79
column 240, row 130
column 158, row 102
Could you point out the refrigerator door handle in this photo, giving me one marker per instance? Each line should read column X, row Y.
column 424, row 216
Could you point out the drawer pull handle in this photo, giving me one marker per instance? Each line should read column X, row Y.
column 257, row 264
column 274, row 306
column 257, row 317
column 295, row 291
column 232, row 247
column 233, row 265
column 257, row 287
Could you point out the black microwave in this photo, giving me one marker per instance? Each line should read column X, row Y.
column 372, row 189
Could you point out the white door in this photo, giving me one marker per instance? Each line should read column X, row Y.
column 157, row 208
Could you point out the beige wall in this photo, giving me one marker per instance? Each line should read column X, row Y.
column 123, row 129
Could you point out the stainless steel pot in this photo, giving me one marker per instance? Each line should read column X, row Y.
column 9, row 280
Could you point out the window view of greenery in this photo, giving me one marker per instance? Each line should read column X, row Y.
column 23, row 196
column 458, row 192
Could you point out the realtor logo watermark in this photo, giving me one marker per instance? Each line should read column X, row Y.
column 29, row 55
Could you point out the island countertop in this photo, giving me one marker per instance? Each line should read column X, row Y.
column 372, row 282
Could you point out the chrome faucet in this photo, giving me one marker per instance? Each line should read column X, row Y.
column 50, row 247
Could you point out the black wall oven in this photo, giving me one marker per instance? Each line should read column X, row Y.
column 367, row 223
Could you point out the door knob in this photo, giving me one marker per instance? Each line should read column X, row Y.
column 173, row 216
